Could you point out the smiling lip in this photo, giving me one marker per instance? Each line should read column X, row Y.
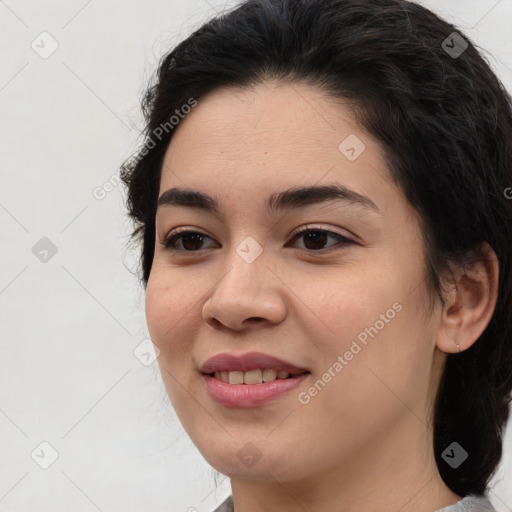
column 249, row 395
column 226, row 362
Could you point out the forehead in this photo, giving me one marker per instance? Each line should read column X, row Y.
column 273, row 136
column 266, row 118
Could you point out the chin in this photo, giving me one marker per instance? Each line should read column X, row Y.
column 249, row 463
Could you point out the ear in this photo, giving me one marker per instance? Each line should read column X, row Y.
column 470, row 301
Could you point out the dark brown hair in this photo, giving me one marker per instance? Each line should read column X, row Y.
column 445, row 123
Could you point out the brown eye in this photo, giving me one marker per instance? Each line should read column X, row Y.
column 190, row 241
column 316, row 239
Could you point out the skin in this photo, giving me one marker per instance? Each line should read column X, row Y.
column 364, row 442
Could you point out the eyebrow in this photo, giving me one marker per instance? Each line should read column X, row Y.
column 286, row 200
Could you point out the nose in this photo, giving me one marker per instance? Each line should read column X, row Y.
column 248, row 295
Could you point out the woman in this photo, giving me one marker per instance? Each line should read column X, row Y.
column 322, row 206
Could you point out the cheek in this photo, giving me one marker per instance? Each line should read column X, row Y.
column 373, row 323
column 158, row 309
column 173, row 329
column 350, row 305
column 387, row 356
column 169, row 309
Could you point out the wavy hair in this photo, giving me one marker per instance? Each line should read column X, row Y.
column 445, row 123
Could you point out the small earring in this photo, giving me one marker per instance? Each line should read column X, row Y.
column 458, row 347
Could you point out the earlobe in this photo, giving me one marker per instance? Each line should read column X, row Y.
column 470, row 302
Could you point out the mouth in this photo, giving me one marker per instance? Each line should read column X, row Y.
column 253, row 377
column 249, row 380
column 249, row 368
column 239, row 396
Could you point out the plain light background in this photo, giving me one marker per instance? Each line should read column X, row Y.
column 72, row 321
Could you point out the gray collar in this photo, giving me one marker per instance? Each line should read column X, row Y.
column 467, row 504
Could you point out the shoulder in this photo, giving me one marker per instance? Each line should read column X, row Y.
column 226, row 505
column 470, row 504
column 467, row 504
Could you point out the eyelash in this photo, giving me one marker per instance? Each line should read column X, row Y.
column 342, row 240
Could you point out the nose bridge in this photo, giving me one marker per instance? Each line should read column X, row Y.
column 247, row 271
column 245, row 290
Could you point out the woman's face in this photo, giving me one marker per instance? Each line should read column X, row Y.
column 346, row 303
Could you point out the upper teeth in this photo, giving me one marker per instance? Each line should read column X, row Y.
column 251, row 377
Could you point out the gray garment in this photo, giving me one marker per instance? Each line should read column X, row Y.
column 226, row 505
column 467, row 504
column 470, row 504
